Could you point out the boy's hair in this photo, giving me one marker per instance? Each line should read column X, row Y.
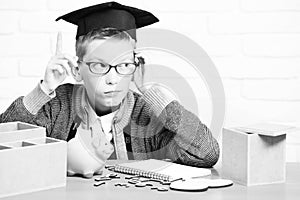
column 101, row 33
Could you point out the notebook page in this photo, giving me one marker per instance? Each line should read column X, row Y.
column 168, row 168
column 182, row 171
column 146, row 165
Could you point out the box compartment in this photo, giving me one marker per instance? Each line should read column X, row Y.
column 13, row 131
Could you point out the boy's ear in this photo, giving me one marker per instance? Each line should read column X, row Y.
column 76, row 73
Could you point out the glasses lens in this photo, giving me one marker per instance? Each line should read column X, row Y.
column 126, row 68
column 98, row 68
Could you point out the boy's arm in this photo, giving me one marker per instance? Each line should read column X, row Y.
column 26, row 109
column 188, row 140
column 36, row 107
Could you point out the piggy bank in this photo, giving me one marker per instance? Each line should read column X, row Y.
column 87, row 153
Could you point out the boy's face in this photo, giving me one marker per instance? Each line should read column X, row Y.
column 107, row 91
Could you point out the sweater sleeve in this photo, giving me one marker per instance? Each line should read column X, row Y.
column 30, row 109
column 47, row 110
column 188, row 140
column 36, row 99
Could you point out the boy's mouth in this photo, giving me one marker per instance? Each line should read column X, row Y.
column 112, row 92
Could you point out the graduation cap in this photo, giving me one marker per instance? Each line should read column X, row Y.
column 110, row 14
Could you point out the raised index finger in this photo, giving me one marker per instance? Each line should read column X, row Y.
column 58, row 44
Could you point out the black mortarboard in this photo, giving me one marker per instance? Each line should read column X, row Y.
column 110, row 14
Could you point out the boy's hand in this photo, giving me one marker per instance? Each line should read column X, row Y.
column 162, row 90
column 138, row 78
column 58, row 67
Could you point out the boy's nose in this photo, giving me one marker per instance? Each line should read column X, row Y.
column 112, row 77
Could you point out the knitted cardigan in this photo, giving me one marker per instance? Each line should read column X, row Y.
column 155, row 125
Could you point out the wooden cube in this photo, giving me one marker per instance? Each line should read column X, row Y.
column 30, row 161
column 250, row 159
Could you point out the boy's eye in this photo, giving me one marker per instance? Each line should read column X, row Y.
column 98, row 65
column 125, row 65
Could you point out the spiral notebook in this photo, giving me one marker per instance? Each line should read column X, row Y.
column 161, row 170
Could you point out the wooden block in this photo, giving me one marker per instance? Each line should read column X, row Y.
column 253, row 159
column 30, row 162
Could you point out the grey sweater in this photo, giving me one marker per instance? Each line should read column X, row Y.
column 149, row 125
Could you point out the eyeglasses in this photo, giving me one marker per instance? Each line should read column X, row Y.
column 103, row 68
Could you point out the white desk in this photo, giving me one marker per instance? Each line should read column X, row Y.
column 83, row 189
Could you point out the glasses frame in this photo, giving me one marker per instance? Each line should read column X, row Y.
column 110, row 66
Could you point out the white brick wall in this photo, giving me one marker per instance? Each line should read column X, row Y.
column 23, row 5
column 17, row 86
column 270, row 5
column 243, row 23
column 191, row 6
column 9, row 21
column 9, row 68
column 272, row 90
column 242, row 67
column 286, row 45
column 32, row 67
column 45, row 23
column 255, row 45
column 14, row 45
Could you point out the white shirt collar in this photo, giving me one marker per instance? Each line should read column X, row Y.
column 106, row 121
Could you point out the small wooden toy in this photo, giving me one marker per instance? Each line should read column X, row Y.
column 199, row 184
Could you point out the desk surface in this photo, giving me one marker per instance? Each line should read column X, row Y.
column 79, row 188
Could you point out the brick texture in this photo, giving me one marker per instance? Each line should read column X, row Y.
column 23, row 5
column 270, row 5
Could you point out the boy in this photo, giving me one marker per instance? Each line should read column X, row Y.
column 102, row 119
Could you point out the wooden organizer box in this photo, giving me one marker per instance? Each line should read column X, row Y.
column 30, row 161
column 255, row 155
